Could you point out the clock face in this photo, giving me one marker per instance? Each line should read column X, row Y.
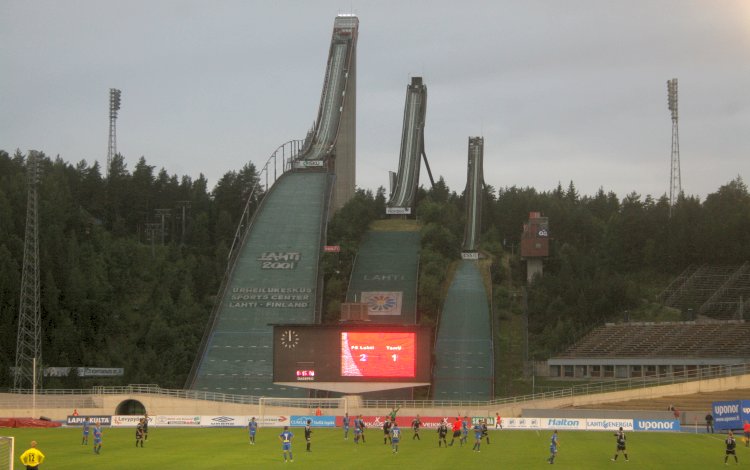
column 289, row 338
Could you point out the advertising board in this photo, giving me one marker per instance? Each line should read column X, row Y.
column 130, row 421
column 104, row 420
column 596, row 424
column 522, row 423
column 178, row 420
column 730, row 414
column 223, row 421
column 656, row 425
column 567, row 424
column 315, row 421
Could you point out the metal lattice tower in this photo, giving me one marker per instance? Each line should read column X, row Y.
column 675, row 180
column 114, row 106
column 28, row 342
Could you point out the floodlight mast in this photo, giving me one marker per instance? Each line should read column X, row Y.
column 114, row 106
column 675, row 179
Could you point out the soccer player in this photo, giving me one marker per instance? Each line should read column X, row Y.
column 442, row 431
column 308, row 435
column 498, row 421
column 485, row 432
column 361, row 425
column 731, row 448
column 620, row 438
column 464, row 431
column 477, row 437
column 746, row 430
column 145, row 427
column 553, row 443
column 32, row 458
column 357, row 432
column 286, row 443
column 387, row 430
column 98, row 437
column 346, row 426
column 456, row 430
column 395, row 437
column 86, row 425
column 415, row 424
column 139, row 433
column 252, row 428
column 393, row 412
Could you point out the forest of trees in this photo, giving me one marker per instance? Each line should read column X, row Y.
column 117, row 292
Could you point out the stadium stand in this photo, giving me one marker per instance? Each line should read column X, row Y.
column 692, row 402
column 711, row 291
column 650, row 349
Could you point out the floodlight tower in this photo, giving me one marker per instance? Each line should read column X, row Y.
column 28, row 341
column 114, row 106
column 675, row 180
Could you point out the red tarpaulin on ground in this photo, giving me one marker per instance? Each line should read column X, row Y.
column 27, row 423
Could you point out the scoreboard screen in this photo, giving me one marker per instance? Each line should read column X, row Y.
column 351, row 353
column 385, row 354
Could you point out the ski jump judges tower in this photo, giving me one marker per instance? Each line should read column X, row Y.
column 274, row 277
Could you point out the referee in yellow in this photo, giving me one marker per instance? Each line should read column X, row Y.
column 33, row 457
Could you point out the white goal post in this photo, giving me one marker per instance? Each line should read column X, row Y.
column 7, row 452
column 269, row 406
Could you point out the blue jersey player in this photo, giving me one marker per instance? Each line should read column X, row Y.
column 346, row 426
column 464, row 431
column 553, row 443
column 395, row 437
column 98, row 438
column 86, row 425
column 286, row 443
column 252, row 428
column 477, row 437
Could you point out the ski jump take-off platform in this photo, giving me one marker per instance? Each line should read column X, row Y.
column 275, row 276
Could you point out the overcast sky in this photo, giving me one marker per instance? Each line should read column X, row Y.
column 560, row 90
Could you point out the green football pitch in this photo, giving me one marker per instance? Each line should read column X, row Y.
column 229, row 449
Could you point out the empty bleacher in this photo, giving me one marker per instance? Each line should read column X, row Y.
column 725, row 339
column 693, row 402
column 710, row 291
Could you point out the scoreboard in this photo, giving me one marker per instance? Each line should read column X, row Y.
column 304, row 355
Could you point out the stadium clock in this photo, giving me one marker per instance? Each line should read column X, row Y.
column 289, row 338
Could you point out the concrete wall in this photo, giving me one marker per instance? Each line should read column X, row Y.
column 20, row 406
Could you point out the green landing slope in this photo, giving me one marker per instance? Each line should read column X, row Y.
column 463, row 367
column 274, row 281
column 385, row 276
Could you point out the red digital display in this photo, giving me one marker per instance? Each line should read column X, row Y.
column 378, row 354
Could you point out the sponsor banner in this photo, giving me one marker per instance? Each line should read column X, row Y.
column 130, row 420
column 382, row 303
column 308, row 164
column 224, row 421
column 271, row 421
column 84, row 371
column 730, row 414
column 522, row 423
column 104, row 420
column 178, row 420
column 428, row 422
column 609, row 424
column 478, row 420
column 316, row 421
column 398, row 210
column 570, row 424
column 656, row 425
column 469, row 255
